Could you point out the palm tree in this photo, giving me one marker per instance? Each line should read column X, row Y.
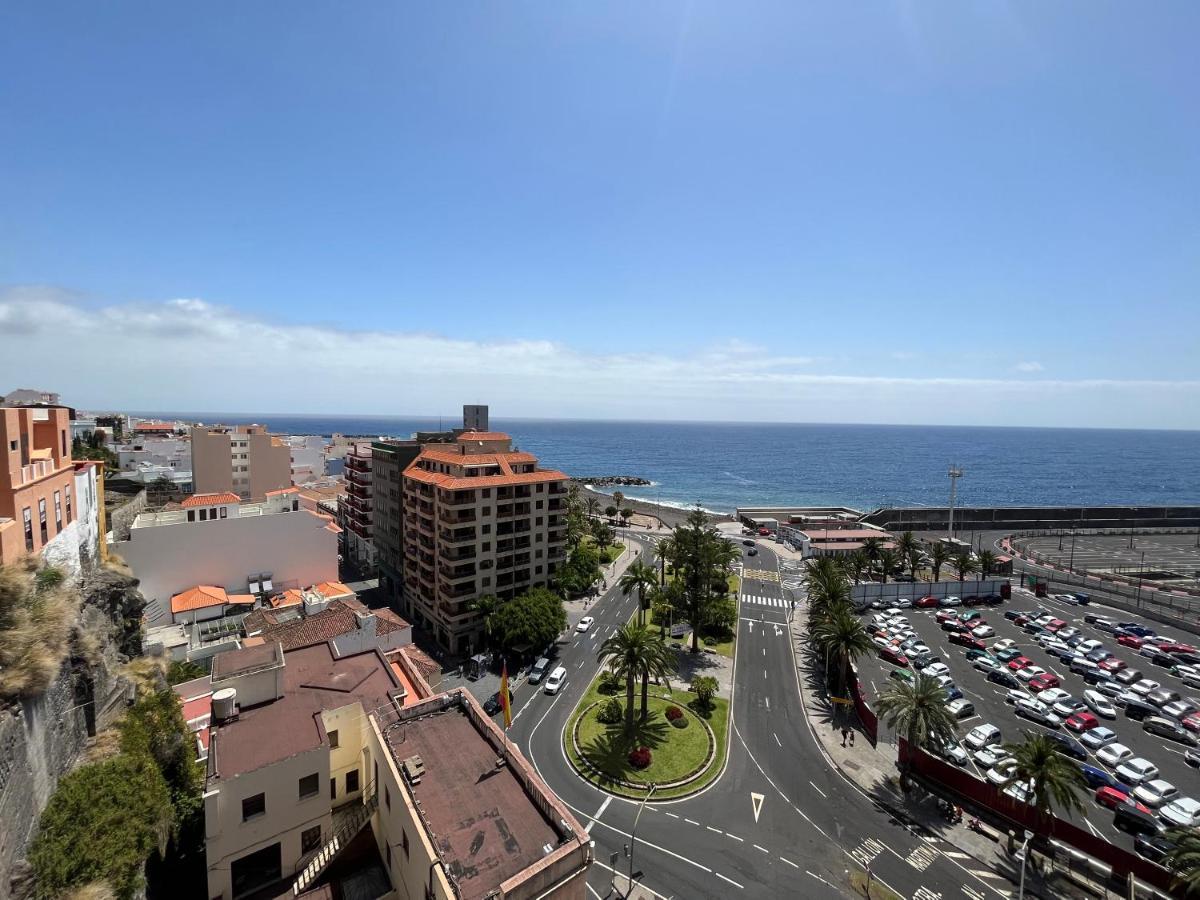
column 660, row 663
column 592, row 505
column 889, row 561
column 856, row 563
column 634, row 652
column 907, row 543
column 487, row 606
column 618, row 498
column 964, row 564
column 826, row 585
column 872, row 547
column 665, row 550
column 987, row 562
column 939, row 555
column 610, row 511
column 842, row 639
column 1183, row 859
column 918, row 710
column 641, row 578
column 1054, row 780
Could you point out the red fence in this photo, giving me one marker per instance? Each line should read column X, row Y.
column 865, row 714
column 1022, row 816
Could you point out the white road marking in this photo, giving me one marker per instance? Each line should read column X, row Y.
column 767, row 700
column 777, row 741
column 818, row 790
column 594, row 893
column 730, row 880
column 789, row 862
column 735, row 837
column 672, row 815
column 598, row 813
column 763, row 849
column 717, row 830
column 692, row 822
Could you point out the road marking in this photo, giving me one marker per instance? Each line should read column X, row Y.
column 956, row 854
column 756, row 801
column 581, row 662
column 818, row 790
column 730, row 880
column 717, row 830
column 598, row 813
column 921, row 858
column 691, row 822
column 735, row 837
column 767, row 700
column 594, row 892
column 763, row 849
column 672, row 815
column 777, row 741
column 789, row 862
column 973, row 894
column 822, row 880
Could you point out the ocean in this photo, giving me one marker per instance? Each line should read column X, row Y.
column 725, row 465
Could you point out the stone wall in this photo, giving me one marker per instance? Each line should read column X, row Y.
column 121, row 518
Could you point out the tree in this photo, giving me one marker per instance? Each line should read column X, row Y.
column 664, row 551
column 592, row 505
column 633, row 652
column 855, row 564
column 906, row 544
column 939, row 555
column 705, row 689
column 889, row 561
column 638, row 577
column 181, row 670
column 702, row 555
column 487, row 606
column 826, row 585
column 1053, row 779
column 841, row 639
column 155, row 726
column 964, row 564
column 987, row 562
column 529, row 621
column 101, row 824
column 1183, row 859
column 610, row 511
column 918, row 711
column 913, row 558
column 872, row 547
column 626, row 515
column 618, row 498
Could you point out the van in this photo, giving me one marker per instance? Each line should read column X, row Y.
column 539, row 670
column 1129, row 818
column 554, row 682
column 1137, row 710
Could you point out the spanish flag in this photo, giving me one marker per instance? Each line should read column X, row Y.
column 504, row 701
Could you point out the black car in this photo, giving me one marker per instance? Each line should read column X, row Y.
column 1152, row 847
column 1003, row 678
column 1098, row 676
column 1076, row 639
column 753, row 551
column 1189, row 659
column 1068, row 746
column 1106, row 626
column 993, row 599
column 1012, row 614
column 1165, row 728
column 1166, row 660
column 492, row 706
column 1129, row 676
column 747, row 543
column 954, row 627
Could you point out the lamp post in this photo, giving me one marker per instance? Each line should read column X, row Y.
column 633, row 836
column 1141, row 571
column 1023, row 854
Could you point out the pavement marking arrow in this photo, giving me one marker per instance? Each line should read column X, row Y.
column 756, row 800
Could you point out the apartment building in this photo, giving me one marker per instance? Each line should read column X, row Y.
column 29, row 397
column 356, row 509
column 478, row 518
column 244, row 460
column 218, row 540
column 475, row 417
column 317, row 748
column 308, row 457
column 37, row 481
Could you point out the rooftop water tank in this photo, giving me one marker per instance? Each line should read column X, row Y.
column 224, row 704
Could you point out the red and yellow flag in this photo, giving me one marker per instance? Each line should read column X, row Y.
column 504, row 701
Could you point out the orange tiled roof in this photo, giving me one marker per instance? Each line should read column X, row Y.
column 463, row 484
column 286, row 490
column 467, row 436
column 154, row 426
column 477, row 459
column 331, row 589
column 210, row 499
column 199, row 597
column 290, row 597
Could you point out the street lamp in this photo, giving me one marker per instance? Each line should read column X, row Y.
column 1141, row 572
column 1023, row 855
column 633, row 836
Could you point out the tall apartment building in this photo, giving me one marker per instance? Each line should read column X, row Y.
column 475, row 417
column 478, row 518
column 37, row 479
column 244, row 460
column 355, row 508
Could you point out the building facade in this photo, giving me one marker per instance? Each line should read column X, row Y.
column 356, row 509
column 475, row 417
column 478, row 519
column 245, row 460
column 37, row 480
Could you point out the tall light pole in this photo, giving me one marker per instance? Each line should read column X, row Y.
column 1023, row 854
column 633, row 836
column 955, row 473
column 1141, row 572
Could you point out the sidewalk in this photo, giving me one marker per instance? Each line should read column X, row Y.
column 874, row 771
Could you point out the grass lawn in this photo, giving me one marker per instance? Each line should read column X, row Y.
column 608, row 554
column 674, row 751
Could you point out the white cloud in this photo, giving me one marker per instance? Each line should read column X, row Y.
column 191, row 355
column 1029, row 367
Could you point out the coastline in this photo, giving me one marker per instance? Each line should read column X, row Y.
column 670, row 516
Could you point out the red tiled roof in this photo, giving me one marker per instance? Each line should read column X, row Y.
column 452, row 458
column 468, row 436
column 210, row 499
column 199, row 597
column 291, row 597
column 335, row 620
column 154, row 426
column 286, row 490
column 331, row 589
column 481, row 481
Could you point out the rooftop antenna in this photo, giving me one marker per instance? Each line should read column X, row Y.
column 955, row 473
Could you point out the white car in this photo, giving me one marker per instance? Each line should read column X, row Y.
column 555, row 681
column 1137, row 770
column 1016, row 695
column 1098, row 737
column 936, row 669
column 893, row 611
column 1088, row 646
column 902, row 603
column 584, row 624
column 950, row 601
column 1156, row 793
column 1184, row 812
column 989, row 757
column 1053, row 695
column 1029, row 704
column 1099, row 704
column 1018, row 791
column 983, row 631
column 982, row 736
column 1003, row 645
column 1046, row 619
column 919, row 649
column 985, row 663
column 1114, row 754
column 1000, row 772
column 961, row 708
column 953, row 752
column 882, row 640
column 1144, row 687
column 1030, row 672
column 1065, row 634
column 1068, row 706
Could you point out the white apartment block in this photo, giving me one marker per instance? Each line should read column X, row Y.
column 218, row 540
column 308, row 457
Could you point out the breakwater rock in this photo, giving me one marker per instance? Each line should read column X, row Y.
column 614, row 481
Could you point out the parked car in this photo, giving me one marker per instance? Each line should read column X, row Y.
column 926, row 602
column 1128, row 676
column 1156, row 792
column 1163, row 696
column 1110, row 797
column 1183, row 812
column 1137, row 709
column 985, row 663
column 1043, row 681
column 1036, row 712
column 937, row 669
column 965, row 640
column 1098, row 737
column 1114, row 754
column 961, row 709
column 1130, row 640
column 894, row 656
column 1169, row 729
column 1068, row 706
column 1029, row 673
column 951, row 752
column 1017, row 663
column 983, row 631
column 1146, row 828
column 1144, row 687
column 1099, row 704
column 1001, row 772
column 950, row 601
column 1068, row 746
column 953, row 626
column 1081, row 722
column 1008, row 654
column 988, row 757
column 982, row 736
column 1003, row 678
column 1137, row 770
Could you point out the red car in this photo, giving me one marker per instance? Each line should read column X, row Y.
column 1111, row 797
column 945, row 615
column 893, row 656
column 1055, row 624
column 965, row 640
column 1021, row 662
column 1081, row 721
column 1040, row 682
column 926, row 602
column 1021, row 620
column 1130, row 640
column 1192, row 722
column 1112, row 664
column 1176, row 648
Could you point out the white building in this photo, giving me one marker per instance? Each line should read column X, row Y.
column 77, row 546
column 218, row 540
column 308, row 457
column 174, row 453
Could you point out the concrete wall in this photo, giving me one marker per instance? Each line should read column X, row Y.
column 1005, row 518
column 121, row 519
column 77, row 548
column 270, row 464
column 866, row 593
column 212, row 470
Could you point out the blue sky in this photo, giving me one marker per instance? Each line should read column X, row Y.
column 890, row 211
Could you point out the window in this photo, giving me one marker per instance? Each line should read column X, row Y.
column 310, row 839
column 42, row 519
column 333, row 739
column 28, row 515
column 539, row 521
column 352, row 781
column 191, row 515
column 310, row 786
column 375, row 777
column 332, row 788
column 538, row 570
column 255, row 806
column 63, row 434
column 389, row 855
column 224, row 512
column 487, row 529
column 69, row 519
column 539, row 504
column 204, row 515
column 487, row 581
column 212, row 512
column 487, row 492
column 487, row 546
column 540, row 488
column 486, row 511
column 12, row 445
column 57, row 511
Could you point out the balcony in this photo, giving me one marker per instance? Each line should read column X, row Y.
column 456, row 591
column 461, row 536
column 557, row 489
column 457, row 498
column 457, row 573
column 456, row 518
column 457, row 555
column 556, row 537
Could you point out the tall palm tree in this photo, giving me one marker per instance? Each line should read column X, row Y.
column 487, row 606
column 914, row 561
column 665, row 551
column 1053, row 779
column 918, row 711
column 939, row 555
column 889, row 561
column 907, row 543
column 872, row 547
column 826, row 585
column 660, row 663
column 1183, row 859
column 618, row 499
column 987, row 562
column 592, row 505
column 855, row 564
column 634, row 652
column 641, row 578
column 964, row 564
column 841, row 638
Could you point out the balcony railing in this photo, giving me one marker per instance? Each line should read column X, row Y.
column 456, row 518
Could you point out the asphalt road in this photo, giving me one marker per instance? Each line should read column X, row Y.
column 990, row 699
column 780, row 822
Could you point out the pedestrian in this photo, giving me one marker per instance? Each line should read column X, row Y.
column 852, row 737
column 843, row 737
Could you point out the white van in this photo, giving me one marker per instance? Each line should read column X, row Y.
column 554, row 682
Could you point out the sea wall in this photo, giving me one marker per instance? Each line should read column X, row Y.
column 1005, row 518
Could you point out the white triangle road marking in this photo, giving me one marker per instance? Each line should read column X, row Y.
column 756, row 800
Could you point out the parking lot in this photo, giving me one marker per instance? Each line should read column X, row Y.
column 1176, row 553
column 993, row 703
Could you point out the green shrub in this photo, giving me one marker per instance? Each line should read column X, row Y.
column 705, row 688
column 611, row 712
column 610, row 682
column 182, row 670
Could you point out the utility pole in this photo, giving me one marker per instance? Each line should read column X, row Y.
column 633, row 836
column 955, row 473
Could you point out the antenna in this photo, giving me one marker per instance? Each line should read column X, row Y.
column 955, row 473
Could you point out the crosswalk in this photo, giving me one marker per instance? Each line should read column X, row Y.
column 776, row 602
